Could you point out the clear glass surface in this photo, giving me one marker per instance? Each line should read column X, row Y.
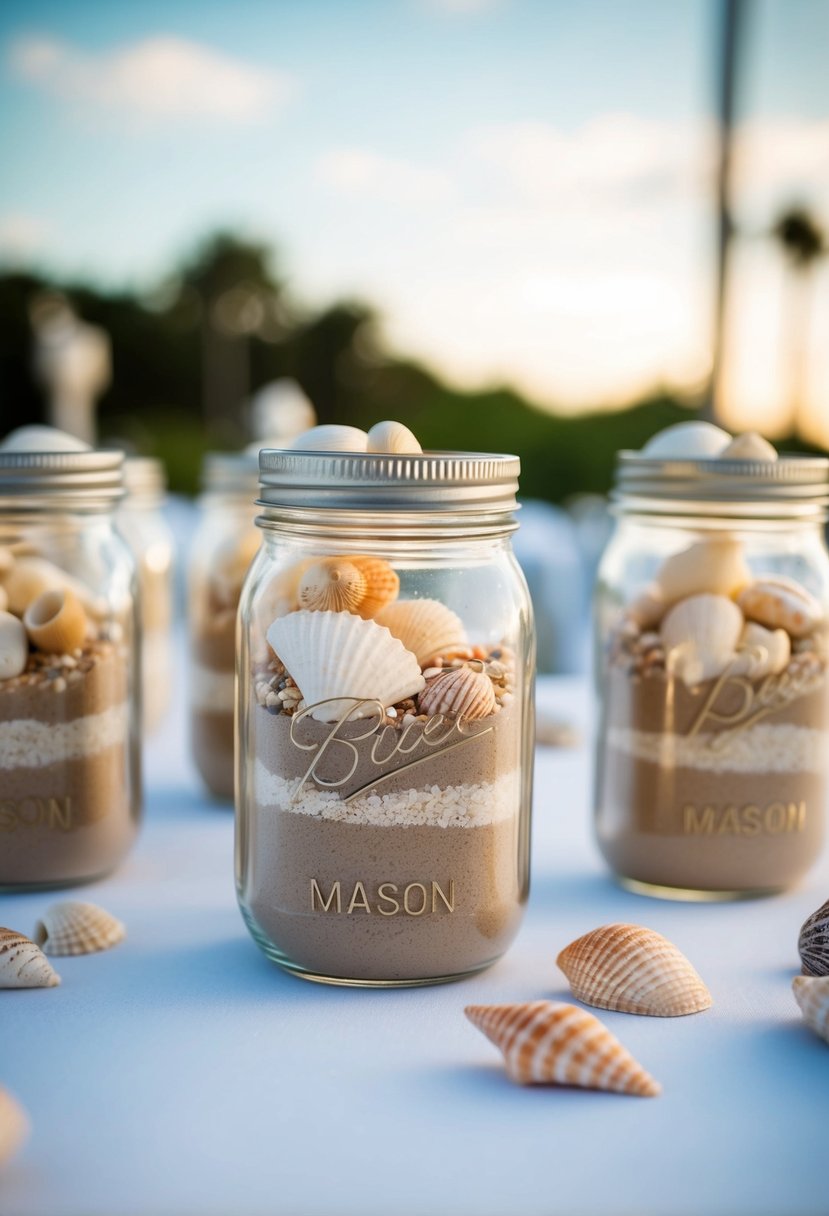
column 143, row 526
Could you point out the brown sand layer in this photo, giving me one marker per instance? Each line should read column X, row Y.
column 57, row 694
column 67, row 822
column 211, row 739
column 213, row 641
column 476, row 869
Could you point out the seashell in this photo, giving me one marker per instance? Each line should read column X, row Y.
column 28, row 578
column 72, row 927
column 700, row 636
column 812, row 995
column 14, row 646
column 332, row 585
column 633, row 970
column 56, row 622
column 14, row 1126
column 749, row 446
column 713, row 567
column 687, row 441
column 337, row 658
column 545, row 1042
column 459, row 692
column 382, row 584
column 331, row 438
column 38, row 438
column 648, row 609
column 230, row 565
column 781, row 603
column 426, row 627
column 761, row 652
column 813, row 942
column 23, row 964
column 392, row 437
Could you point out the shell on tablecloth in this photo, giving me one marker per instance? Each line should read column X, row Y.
column 336, row 658
column 74, row 927
column 23, row 964
column 14, row 1126
column 813, row 942
column 546, row 1042
column 426, row 627
column 459, row 692
column 701, row 635
column 632, row 969
column 812, row 995
column 781, row 603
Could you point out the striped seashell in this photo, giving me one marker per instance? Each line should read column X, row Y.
column 332, row 585
column 545, row 1042
column 812, row 995
column 633, row 970
column 813, row 942
column 14, row 646
column 56, row 622
column 393, row 438
column 73, row 927
column 23, row 964
column 781, row 603
column 14, row 1126
column 382, row 584
column 459, row 692
column 426, row 627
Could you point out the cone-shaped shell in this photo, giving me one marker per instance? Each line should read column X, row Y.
column 812, row 995
column 781, row 603
column 545, row 1042
column 459, row 692
column 332, row 585
column 633, row 970
column 73, row 927
column 14, row 1126
column 382, row 584
column 56, row 622
column 23, row 964
column 394, row 438
column 813, row 943
column 337, row 659
column 712, row 567
column 426, row 627
column 14, row 646
column 331, row 437
column 701, row 635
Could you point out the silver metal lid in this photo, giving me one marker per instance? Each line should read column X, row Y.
column 74, row 479
column 144, row 477
column 459, row 482
column 231, row 473
column 792, row 485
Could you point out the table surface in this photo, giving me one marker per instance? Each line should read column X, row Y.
column 182, row 1074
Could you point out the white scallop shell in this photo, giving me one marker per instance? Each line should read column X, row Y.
column 715, row 566
column 749, row 446
column 23, row 964
column 700, row 636
column 687, row 440
column 73, row 927
column 331, row 438
column 392, row 437
column 425, row 627
column 761, row 652
column 14, row 646
column 14, row 1126
column 339, row 658
column 781, row 603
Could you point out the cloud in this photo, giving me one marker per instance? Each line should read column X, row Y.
column 362, row 173
column 156, row 80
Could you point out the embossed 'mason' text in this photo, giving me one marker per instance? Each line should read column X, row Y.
column 414, row 899
column 52, row 813
column 773, row 820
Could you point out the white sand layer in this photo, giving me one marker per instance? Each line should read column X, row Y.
column 783, row 748
column 28, row 743
column 212, row 691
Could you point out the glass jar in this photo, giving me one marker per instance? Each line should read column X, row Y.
column 69, row 696
column 142, row 523
column 224, row 544
column 711, row 606
column 385, row 719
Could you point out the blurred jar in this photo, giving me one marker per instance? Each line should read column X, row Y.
column 224, row 544
column 69, row 696
column 712, row 605
column 142, row 523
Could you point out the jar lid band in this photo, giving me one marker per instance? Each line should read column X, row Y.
column 144, row 476
column 72, row 476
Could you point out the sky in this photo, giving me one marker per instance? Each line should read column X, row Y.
column 521, row 187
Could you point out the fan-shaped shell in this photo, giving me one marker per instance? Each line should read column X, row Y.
column 23, row 964
column 545, row 1042
column 14, row 1126
column 813, row 943
column 633, row 970
column 56, row 622
column 426, row 627
column 394, row 438
column 781, row 603
column 459, row 692
column 14, row 646
column 332, row 585
column 700, row 636
column 336, row 658
column 812, row 995
column 331, row 437
column 73, row 927
column 382, row 584
column 715, row 566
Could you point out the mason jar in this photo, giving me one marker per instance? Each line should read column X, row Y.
column 143, row 525
column 384, row 717
column 711, row 607
column 69, row 693
column 224, row 543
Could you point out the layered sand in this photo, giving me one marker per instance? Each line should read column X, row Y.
column 213, row 664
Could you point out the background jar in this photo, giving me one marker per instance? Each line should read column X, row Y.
column 711, row 609
column 224, row 544
column 69, row 704
column 143, row 525
column 391, row 848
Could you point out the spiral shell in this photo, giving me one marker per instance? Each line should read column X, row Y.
column 332, row 585
column 14, row 1126
column 14, row 646
column 812, row 995
column 56, row 622
column 23, row 964
column 459, row 692
column 394, row 438
column 633, row 970
column 382, row 584
column 545, row 1042
column 813, row 942
column 426, row 627
column 73, row 927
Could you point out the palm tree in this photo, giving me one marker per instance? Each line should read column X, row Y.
column 803, row 243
